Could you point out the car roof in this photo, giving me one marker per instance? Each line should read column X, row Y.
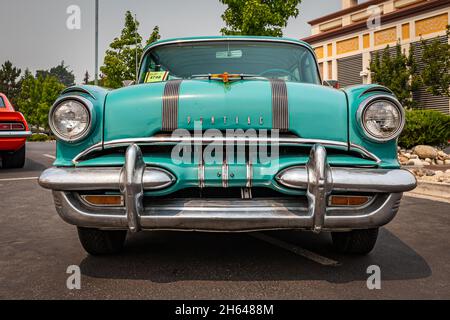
column 228, row 38
column 8, row 105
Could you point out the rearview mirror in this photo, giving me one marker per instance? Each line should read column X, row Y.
column 127, row 83
column 331, row 83
column 234, row 54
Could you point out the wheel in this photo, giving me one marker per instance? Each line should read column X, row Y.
column 14, row 160
column 101, row 242
column 355, row 241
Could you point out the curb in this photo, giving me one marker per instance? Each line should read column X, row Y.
column 437, row 190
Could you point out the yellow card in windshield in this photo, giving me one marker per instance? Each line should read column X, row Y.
column 156, row 76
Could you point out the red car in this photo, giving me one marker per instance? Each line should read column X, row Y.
column 13, row 135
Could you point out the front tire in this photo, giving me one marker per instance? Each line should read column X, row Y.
column 14, row 160
column 101, row 242
column 359, row 242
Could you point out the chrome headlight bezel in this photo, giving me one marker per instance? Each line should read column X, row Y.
column 363, row 107
column 90, row 111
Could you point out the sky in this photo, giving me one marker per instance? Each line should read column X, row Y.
column 34, row 34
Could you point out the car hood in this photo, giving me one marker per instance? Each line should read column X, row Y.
column 314, row 111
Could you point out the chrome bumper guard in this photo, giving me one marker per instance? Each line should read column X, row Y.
column 229, row 215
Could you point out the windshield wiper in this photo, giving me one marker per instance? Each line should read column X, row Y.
column 226, row 77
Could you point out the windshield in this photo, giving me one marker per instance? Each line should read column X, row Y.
column 273, row 60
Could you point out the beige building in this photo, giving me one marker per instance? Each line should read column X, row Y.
column 345, row 41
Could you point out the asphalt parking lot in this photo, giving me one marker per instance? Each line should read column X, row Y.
column 36, row 248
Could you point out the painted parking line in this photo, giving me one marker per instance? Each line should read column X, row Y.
column 18, row 179
column 49, row 156
column 297, row 250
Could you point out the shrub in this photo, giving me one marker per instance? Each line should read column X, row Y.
column 39, row 137
column 425, row 127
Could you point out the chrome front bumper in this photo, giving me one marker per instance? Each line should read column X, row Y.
column 313, row 213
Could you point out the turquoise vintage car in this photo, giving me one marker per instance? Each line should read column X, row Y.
column 227, row 134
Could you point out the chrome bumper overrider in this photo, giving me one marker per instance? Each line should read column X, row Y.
column 317, row 178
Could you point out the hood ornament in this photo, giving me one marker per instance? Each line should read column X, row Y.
column 225, row 77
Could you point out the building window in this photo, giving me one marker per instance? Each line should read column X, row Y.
column 431, row 25
column 347, row 45
column 330, row 70
column 319, row 52
column 386, row 36
column 330, row 50
column 366, row 41
column 405, row 31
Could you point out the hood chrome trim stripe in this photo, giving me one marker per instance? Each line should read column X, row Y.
column 280, row 105
column 170, row 105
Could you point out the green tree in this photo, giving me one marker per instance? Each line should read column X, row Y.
column 37, row 96
column 86, row 78
column 61, row 72
column 397, row 72
column 435, row 75
column 9, row 81
column 155, row 36
column 120, row 59
column 258, row 17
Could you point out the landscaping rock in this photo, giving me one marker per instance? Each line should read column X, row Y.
column 425, row 152
column 443, row 156
column 403, row 160
column 439, row 173
column 415, row 162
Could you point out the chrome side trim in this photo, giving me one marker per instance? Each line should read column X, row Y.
column 223, row 140
column 15, row 134
column 365, row 152
column 96, row 147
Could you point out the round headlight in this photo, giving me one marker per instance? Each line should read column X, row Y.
column 70, row 120
column 382, row 119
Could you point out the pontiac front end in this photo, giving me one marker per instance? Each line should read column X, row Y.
column 198, row 151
